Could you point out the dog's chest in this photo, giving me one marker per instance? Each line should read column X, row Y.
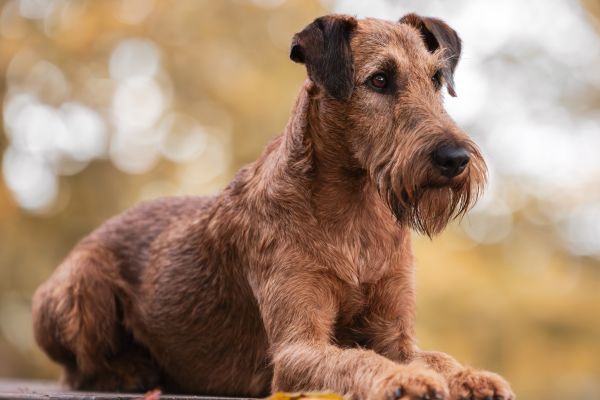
column 350, row 327
column 371, row 253
column 371, row 259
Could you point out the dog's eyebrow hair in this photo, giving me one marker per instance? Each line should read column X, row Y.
column 389, row 64
column 386, row 65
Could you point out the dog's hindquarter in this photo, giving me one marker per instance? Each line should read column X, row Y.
column 109, row 315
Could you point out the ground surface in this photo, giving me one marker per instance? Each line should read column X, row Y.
column 20, row 389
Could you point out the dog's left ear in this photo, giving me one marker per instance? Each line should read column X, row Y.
column 437, row 34
column 324, row 47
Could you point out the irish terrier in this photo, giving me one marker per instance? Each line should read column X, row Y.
column 299, row 275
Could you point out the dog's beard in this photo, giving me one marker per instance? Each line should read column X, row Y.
column 421, row 199
column 431, row 209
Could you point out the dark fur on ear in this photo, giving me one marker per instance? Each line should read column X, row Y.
column 324, row 47
column 437, row 34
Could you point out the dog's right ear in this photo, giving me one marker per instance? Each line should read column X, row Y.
column 324, row 47
column 437, row 34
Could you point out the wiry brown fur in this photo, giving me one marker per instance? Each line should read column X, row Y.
column 299, row 274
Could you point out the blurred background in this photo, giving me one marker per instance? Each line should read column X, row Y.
column 106, row 103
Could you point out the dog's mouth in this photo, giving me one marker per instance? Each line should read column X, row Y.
column 436, row 181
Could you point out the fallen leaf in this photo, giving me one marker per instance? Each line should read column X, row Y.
column 151, row 395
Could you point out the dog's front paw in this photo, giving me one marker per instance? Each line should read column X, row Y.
column 415, row 384
column 473, row 384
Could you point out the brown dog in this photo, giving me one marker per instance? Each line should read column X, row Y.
column 299, row 275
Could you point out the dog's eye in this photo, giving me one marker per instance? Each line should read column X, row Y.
column 437, row 79
column 378, row 81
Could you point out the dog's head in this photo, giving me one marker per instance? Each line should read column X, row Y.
column 385, row 80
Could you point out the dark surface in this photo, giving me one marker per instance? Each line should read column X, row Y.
column 21, row 389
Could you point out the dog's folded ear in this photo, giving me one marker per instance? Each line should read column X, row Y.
column 437, row 34
column 324, row 47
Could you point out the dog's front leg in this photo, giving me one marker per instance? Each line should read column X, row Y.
column 299, row 310
column 390, row 333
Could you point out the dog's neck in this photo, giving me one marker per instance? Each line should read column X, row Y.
column 339, row 187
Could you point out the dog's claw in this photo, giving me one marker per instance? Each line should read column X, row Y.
column 498, row 397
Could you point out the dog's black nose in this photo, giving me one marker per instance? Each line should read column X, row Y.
column 451, row 160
